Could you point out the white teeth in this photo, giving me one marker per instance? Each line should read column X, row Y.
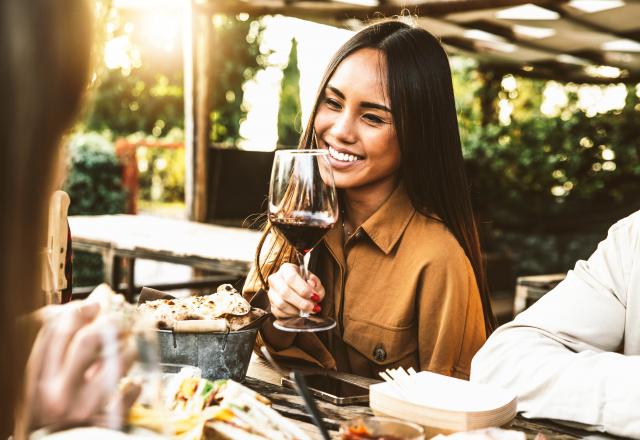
column 343, row 157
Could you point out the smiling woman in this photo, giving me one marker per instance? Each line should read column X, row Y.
column 403, row 275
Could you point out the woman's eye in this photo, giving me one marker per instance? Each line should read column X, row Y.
column 332, row 103
column 373, row 118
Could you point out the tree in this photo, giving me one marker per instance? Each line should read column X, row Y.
column 546, row 187
column 236, row 59
column 147, row 95
column 289, row 112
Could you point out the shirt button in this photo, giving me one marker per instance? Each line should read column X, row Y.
column 358, row 234
column 379, row 353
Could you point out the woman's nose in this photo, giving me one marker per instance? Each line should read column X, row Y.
column 343, row 128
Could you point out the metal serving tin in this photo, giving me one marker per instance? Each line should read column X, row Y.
column 218, row 355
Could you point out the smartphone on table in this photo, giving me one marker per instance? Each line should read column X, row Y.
column 332, row 389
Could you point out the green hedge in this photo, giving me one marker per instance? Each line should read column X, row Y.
column 94, row 184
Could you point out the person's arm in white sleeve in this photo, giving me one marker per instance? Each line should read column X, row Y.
column 562, row 356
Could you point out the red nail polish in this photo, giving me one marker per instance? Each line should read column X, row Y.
column 316, row 308
column 315, row 297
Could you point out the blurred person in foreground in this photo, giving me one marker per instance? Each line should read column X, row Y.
column 574, row 355
column 44, row 48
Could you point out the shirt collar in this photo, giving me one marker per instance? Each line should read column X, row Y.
column 384, row 227
column 388, row 223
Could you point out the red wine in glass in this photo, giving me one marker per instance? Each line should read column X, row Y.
column 303, row 207
column 302, row 234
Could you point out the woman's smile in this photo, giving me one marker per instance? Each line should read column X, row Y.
column 342, row 159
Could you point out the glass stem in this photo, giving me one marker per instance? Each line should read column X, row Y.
column 304, row 272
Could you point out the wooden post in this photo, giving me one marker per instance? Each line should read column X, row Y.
column 197, row 46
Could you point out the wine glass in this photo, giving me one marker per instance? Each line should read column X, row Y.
column 303, row 207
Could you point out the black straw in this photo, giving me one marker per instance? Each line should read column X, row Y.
column 303, row 391
column 309, row 402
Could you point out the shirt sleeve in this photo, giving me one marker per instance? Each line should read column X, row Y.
column 450, row 320
column 561, row 355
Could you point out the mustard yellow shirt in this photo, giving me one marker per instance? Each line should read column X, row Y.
column 403, row 293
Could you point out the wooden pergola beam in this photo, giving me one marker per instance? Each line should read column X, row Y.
column 588, row 24
column 197, row 73
column 333, row 11
column 508, row 34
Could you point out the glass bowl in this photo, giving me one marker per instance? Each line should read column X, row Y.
column 380, row 428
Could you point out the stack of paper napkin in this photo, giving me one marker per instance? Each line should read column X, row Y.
column 443, row 402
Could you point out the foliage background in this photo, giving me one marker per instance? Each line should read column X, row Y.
column 94, row 184
column 289, row 112
column 147, row 94
column 545, row 186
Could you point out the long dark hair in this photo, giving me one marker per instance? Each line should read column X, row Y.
column 432, row 168
column 45, row 52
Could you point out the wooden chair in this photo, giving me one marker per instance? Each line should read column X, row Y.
column 53, row 273
column 530, row 289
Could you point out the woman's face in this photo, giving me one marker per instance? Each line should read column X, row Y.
column 354, row 122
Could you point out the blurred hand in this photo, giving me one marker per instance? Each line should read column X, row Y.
column 75, row 367
column 289, row 293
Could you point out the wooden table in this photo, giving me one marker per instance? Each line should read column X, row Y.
column 263, row 379
column 225, row 250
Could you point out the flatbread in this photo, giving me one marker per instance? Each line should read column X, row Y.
column 222, row 310
column 228, row 301
column 239, row 322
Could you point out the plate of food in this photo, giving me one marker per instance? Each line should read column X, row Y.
column 195, row 408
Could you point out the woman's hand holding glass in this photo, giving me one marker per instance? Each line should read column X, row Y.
column 289, row 293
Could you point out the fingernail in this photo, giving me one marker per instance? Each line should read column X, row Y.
column 315, row 297
column 316, row 308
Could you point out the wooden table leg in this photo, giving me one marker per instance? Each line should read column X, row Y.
column 109, row 265
column 112, row 272
column 131, row 284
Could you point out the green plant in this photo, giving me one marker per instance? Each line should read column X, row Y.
column 546, row 186
column 161, row 174
column 94, row 184
column 147, row 95
column 289, row 128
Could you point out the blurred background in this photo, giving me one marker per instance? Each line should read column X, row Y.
column 189, row 100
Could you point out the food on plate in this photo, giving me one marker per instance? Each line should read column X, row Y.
column 198, row 409
column 223, row 310
column 362, row 433
column 380, row 428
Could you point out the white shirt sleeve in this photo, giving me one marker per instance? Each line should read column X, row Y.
column 563, row 357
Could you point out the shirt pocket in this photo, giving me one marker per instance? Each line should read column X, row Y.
column 381, row 344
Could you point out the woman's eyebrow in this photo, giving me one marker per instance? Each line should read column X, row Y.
column 364, row 104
